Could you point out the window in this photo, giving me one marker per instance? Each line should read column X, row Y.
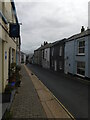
column 81, row 68
column 60, row 51
column 81, row 47
column 52, row 51
column 60, row 65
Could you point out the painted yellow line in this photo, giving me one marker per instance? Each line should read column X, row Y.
column 72, row 117
column 53, row 95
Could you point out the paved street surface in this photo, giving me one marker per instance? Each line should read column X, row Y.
column 26, row 103
column 71, row 93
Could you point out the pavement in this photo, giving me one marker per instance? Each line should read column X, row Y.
column 34, row 100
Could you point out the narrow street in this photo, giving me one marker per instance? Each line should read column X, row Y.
column 72, row 93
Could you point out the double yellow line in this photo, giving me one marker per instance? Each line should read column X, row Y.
column 71, row 116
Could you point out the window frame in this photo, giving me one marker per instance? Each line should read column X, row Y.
column 52, row 51
column 60, row 51
column 81, row 67
column 81, row 47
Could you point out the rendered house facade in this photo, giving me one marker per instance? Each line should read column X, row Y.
column 46, row 56
column 37, row 58
column 23, row 57
column 57, row 55
column 77, row 54
column 8, row 45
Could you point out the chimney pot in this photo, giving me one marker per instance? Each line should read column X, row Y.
column 82, row 29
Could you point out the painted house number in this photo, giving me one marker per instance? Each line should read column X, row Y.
column 5, row 55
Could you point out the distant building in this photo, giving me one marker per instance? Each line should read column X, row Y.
column 37, row 58
column 23, row 57
column 46, row 56
column 77, row 54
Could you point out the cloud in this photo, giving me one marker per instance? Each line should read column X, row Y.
column 50, row 21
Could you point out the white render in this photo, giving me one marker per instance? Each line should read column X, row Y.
column 46, row 60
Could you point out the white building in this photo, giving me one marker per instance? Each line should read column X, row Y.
column 77, row 54
column 23, row 57
column 46, row 56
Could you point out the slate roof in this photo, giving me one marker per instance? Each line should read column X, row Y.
column 80, row 35
column 58, row 41
column 43, row 47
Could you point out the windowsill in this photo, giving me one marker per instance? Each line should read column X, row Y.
column 80, row 55
column 80, row 75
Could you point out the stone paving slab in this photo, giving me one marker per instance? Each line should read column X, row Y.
column 26, row 103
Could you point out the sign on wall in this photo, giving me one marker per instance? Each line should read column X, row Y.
column 14, row 30
column 5, row 55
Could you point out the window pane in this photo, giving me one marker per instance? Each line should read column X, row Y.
column 81, row 68
column 81, row 50
column 81, row 43
column 81, row 47
column 60, row 51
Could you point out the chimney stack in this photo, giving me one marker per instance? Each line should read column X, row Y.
column 82, row 29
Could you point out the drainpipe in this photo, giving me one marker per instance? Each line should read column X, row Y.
column 16, row 56
column 2, row 66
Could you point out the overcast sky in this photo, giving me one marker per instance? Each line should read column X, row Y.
column 50, row 20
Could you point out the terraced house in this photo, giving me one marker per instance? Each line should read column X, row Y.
column 77, row 54
column 9, row 44
column 57, row 55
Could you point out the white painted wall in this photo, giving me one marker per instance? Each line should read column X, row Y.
column 46, row 60
column 69, row 57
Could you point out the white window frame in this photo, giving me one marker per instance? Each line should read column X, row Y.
column 52, row 51
column 80, row 68
column 60, row 51
column 82, row 47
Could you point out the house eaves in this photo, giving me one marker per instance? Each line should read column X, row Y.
column 58, row 42
column 80, row 35
column 47, row 46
